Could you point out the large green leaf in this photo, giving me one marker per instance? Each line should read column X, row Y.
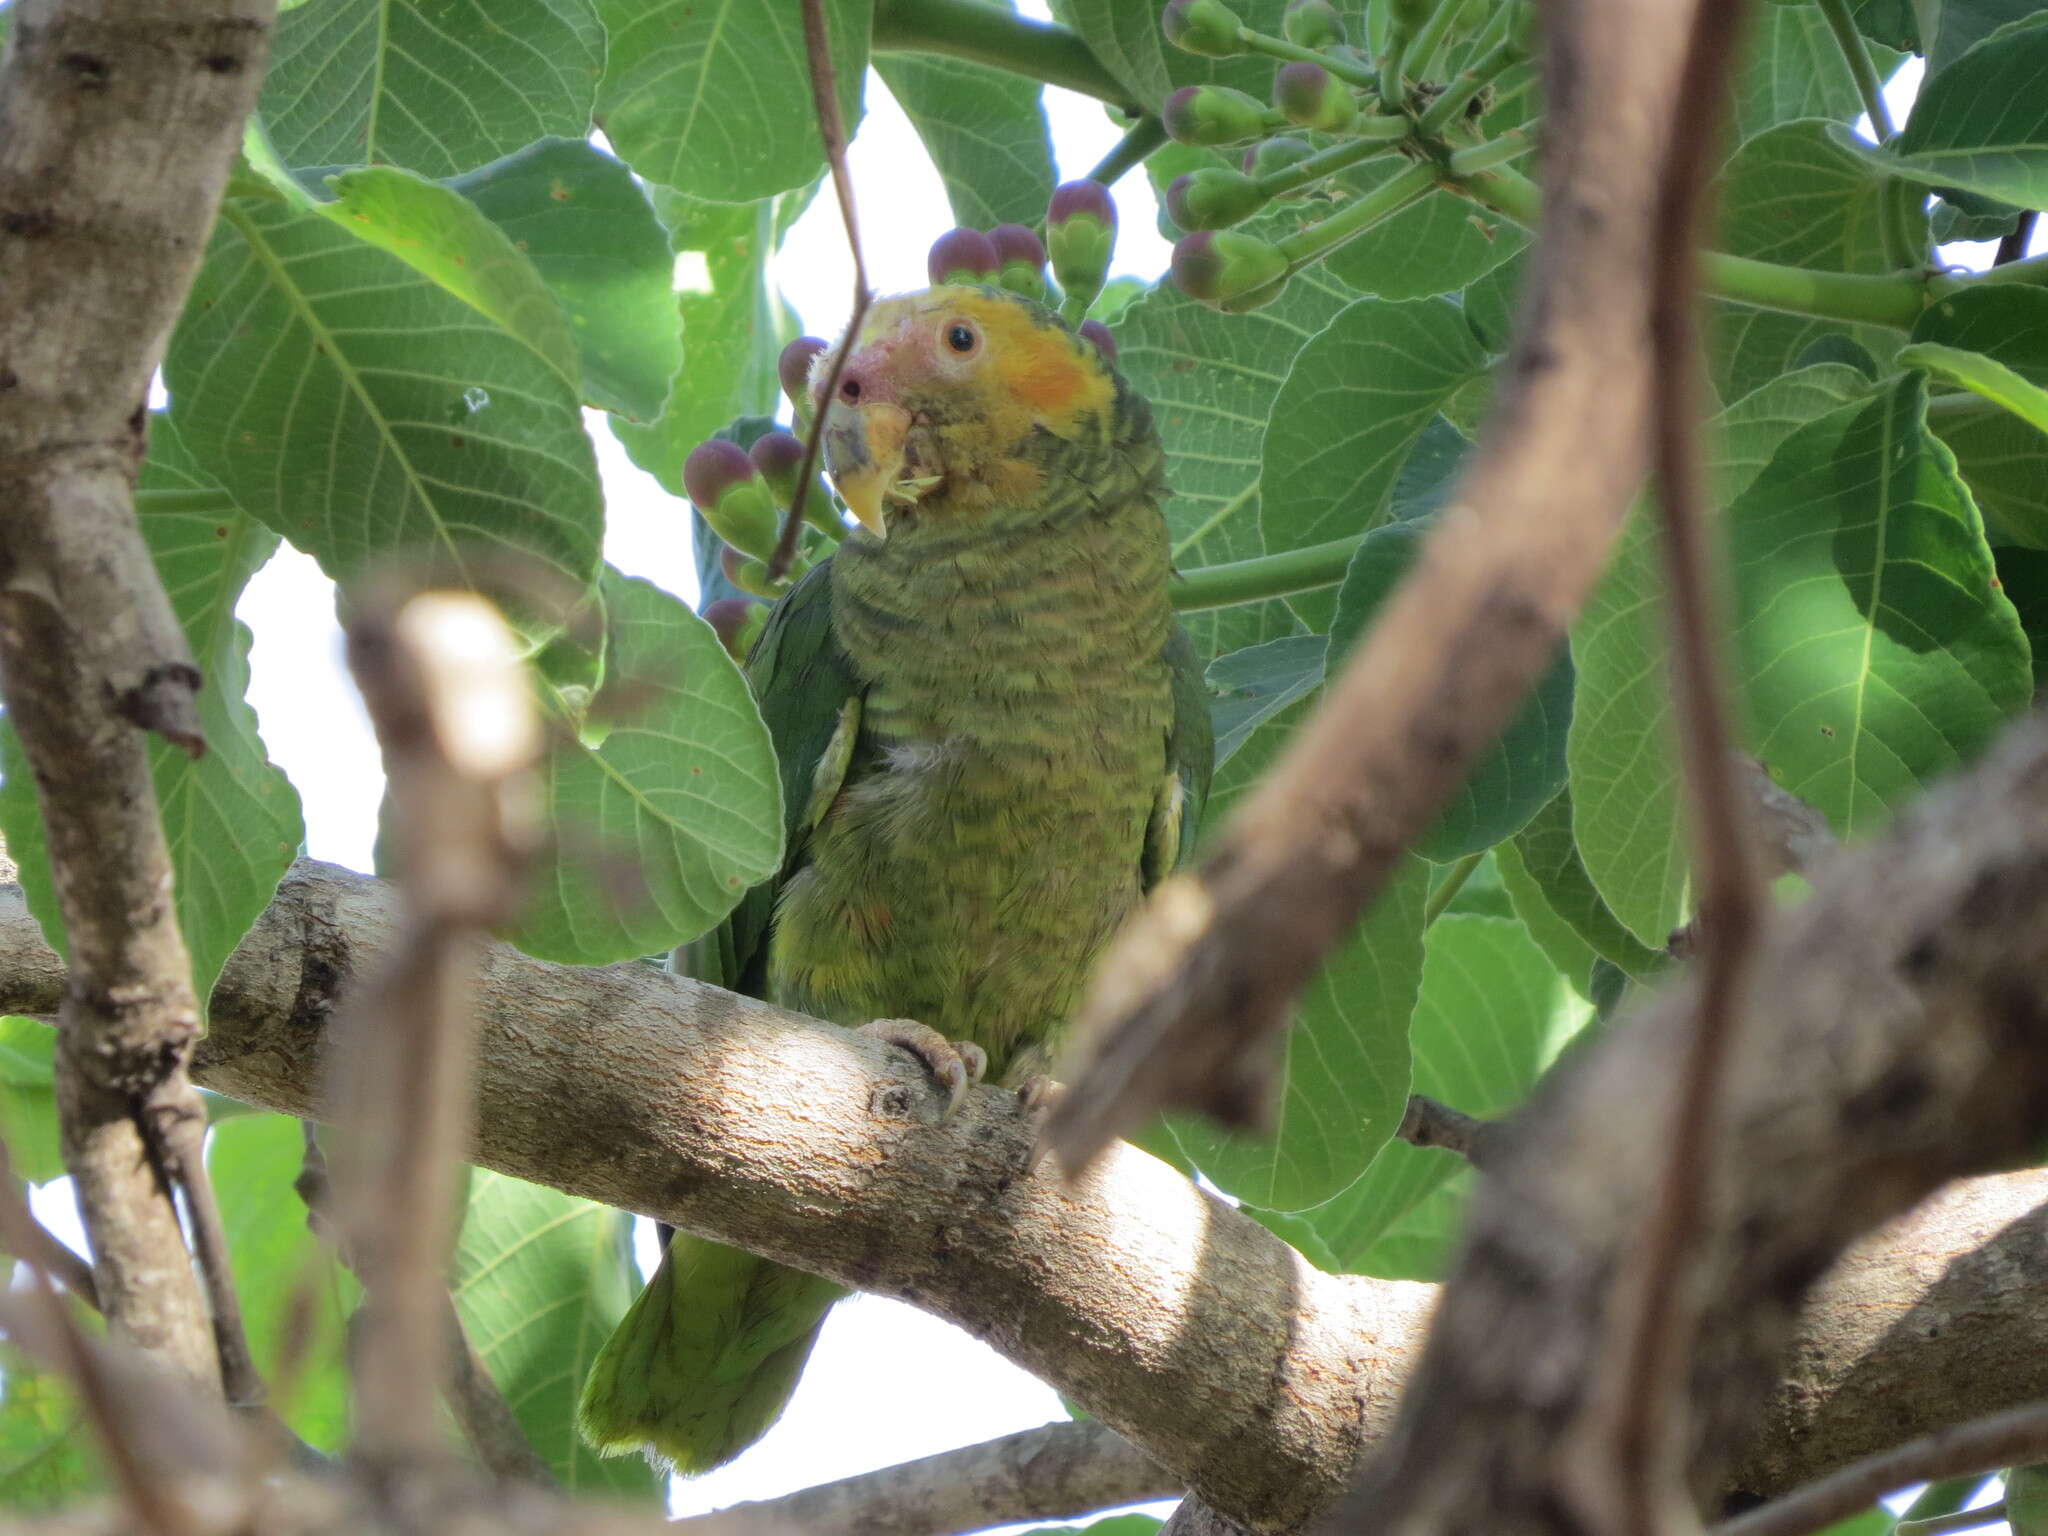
column 1345, row 1063
column 1875, row 649
column 1436, row 245
column 1624, row 779
column 663, row 803
column 28, row 1100
column 1357, row 397
column 1982, row 122
column 1211, row 379
column 1793, row 68
column 1959, row 25
column 231, row 819
column 1524, row 769
column 1792, row 195
column 359, row 408
column 587, row 227
column 540, row 1279
column 1492, row 1013
column 713, row 97
column 985, row 131
column 1251, row 686
column 437, row 86
column 278, row 1264
column 2003, row 459
column 1559, row 904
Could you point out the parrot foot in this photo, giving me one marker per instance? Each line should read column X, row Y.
column 957, row 1064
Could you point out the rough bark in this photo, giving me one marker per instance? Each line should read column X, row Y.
column 1894, row 1042
column 118, row 119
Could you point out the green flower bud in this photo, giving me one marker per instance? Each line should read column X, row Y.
column 738, row 622
column 1212, row 114
column 1207, row 27
column 1310, row 95
column 794, row 370
column 1080, row 234
column 751, row 575
column 1222, row 266
column 1023, row 260
column 1212, row 198
column 726, row 488
column 1312, row 24
column 963, row 256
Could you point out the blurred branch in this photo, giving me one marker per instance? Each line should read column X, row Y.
column 1426, row 1123
column 118, row 120
column 1055, row 1472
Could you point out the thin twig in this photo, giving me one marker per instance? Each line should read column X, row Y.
column 1427, row 1123
column 2012, row 1438
column 831, row 129
column 2013, row 245
column 1627, row 1469
column 181, row 1134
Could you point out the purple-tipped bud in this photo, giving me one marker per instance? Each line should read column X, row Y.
column 1207, row 27
column 1312, row 24
column 737, row 621
column 723, row 484
column 1212, row 198
column 1097, row 332
column 1310, row 95
column 1023, row 259
column 794, row 369
column 1212, row 114
column 778, row 455
column 1219, row 266
column 963, row 256
column 749, row 574
column 1080, row 234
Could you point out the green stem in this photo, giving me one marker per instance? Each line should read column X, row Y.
column 1944, row 1497
column 2034, row 269
column 1393, row 58
column 192, row 503
column 1956, row 1521
column 1861, row 69
column 1382, row 202
column 1511, row 145
column 1282, row 575
column 1370, row 136
column 1447, row 888
column 984, row 34
column 1469, row 83
column 1279, row 48
column 1429, row 37
column 1143, row 136
column 1895, row 300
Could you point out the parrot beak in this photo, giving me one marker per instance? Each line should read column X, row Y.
column 864, row 456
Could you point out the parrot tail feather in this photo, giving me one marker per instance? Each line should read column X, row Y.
column 705, row 1359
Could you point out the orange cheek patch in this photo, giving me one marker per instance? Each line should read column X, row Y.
column 1055, row 385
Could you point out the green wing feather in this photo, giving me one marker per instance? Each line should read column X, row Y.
column 809, row 697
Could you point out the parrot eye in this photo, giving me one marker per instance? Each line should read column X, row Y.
column 961, row 338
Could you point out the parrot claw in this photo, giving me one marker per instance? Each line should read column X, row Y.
column 957, row 1064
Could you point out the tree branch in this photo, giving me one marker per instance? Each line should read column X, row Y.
column 117, row 122
column 1054, row 1472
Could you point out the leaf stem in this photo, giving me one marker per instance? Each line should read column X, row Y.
column 1954, row 1521
column 1447, row 889
column 1393, row 59
column 1382, row 202
column 1428, row 41
column 1264, row 576
column 1457, row 95
column 984, row 34
column 1511, row 145
column 1857, row 56
column 1371, row 135
column 1139, row 140
column 1280, row 48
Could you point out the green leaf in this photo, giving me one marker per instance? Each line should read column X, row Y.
column 540, row 1279
column 1981, row 375
column 1493, row 1011
column 1436, row 245
column 438, row 86
column 359, row 409
column 1794, row 196
column 1419, row 1243
column 587, row 227
column 713, row 97
column 231, row 818
column 733, row 330
column 1345, row 1070
column 1982, row 122
column 1356, row 399
column 48, row 1455
column 661, row 825
column 277, row 1260
column 1253, row 685
column 985, row 131
column 1211, row 380
column 1559, row 904
column 1959, row 25
column 1624, row 780
column 2023, row 577
column 1115, row 1525
column 1524, row 769
column 28, row 1099
column 2002, row 458
column 1874, row 647
column 1793, row 68
column 442, row 235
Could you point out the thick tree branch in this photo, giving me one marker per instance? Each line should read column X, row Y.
column 1054, row 1472
column 117, row 122
column 1897, row 1039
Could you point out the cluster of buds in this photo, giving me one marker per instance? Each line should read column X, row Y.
column 743, row 494
column 1080, row 235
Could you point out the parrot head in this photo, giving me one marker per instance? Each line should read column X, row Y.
column 948, row 400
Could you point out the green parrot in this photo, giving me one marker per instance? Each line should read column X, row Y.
column 994, row 739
